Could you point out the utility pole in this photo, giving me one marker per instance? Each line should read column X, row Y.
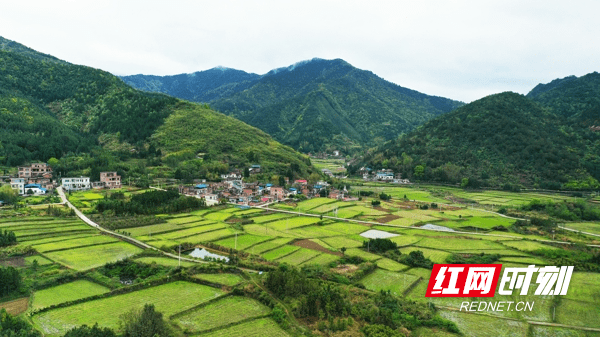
column 180, row 255
column 236, row 241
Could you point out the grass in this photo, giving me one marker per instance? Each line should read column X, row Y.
column 165, row 261
column 262, row 247
column 279, row 252
column 243, row 241
column 315, row 202
column 314, row 232
column 452, row 243
column 228, row 310
column 15, row 307
column 584, row 287
column 527, row 245
column 168, row 298
column 362, row 253
column 299, row 256
column 256, row 328
column 323, row 260
column 291, row 223
column 95, row 256
column 578, row 313
column 436, row 256
column 347, row 227
column 42, row 261
column 225, row 279
column 75, row 243
column 270, row 217
column 590, row 227
column 480, row 325
column 190, row 231
column 217, row 216
column 390, row 265
column 66, row 292
column 381, row 279
column 341, row 241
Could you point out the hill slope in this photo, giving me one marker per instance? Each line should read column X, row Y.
column 51, row 109
column 320, row 105
column 500, row 139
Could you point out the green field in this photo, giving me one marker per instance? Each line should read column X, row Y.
column 381, row 279
column 527, row 245
column 256, row 328
column 228, row 310
column 243, row 241
column 66, row 292
column 224, row 278
column 481, row 325
column 279, row 252
column 299, row 256
column 390, row 265
column 165, row 261
column 268, row 245
column 94, row 256
column 168, row 299
column 75, row 243
column 341, row 241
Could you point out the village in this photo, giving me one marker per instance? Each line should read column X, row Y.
column 38, row 179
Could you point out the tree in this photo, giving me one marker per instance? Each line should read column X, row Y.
column 86, row 331
column 144, row 323
column 419, row 171
column 281, row 181
column 343, row 249
column 8, row 195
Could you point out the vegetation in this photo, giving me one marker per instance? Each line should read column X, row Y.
column 150, row 202
column 7, row 238
column 380, row 245
column 83, row 121
column 525, row 144
column 321, row 105
column 16, row 326
column 146, row 322
column 94, row 331
column 10, row 280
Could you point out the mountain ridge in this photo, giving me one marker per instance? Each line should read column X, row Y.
column 278, row 100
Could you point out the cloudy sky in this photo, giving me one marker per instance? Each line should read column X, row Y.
column 462, row 50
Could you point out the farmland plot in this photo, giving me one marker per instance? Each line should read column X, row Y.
column 222, row 312
column 66, row 292
column 387, row 280
column 168, row 298
column 256, row 328
column 94, row 256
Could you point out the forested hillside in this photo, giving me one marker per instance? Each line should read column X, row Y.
column 201, row 86
column 57, row 110
column 316, row 105
column 504, row 140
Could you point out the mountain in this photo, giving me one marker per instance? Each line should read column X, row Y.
column 60, row 110
column 313, row 105
column 502, row 140
column 569, row 95
column 201, row 86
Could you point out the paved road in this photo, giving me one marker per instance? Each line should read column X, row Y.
column 125, row 238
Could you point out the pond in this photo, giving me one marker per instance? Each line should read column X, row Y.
column 201, row 253
column 437, row 228
column 377, row 234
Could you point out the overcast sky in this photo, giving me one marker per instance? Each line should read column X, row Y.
column 462, row 50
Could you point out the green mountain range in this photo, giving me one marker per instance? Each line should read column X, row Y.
column 542, row 140
column 52, row 109
column 315, row 105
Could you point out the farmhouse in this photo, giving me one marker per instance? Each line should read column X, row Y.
column 34, row 189
column 110, row 179
column 35, row 170
column 18, row 184
column 76, row 184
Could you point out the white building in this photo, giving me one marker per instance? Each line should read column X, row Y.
column 76, row 184
column 18, row 184
column 211, row 199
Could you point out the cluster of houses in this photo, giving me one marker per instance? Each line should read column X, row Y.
column 233, row 189
column 595, row 128
column 385, row 175
column 36, row 179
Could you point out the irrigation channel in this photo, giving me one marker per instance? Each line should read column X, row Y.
column 128, row 239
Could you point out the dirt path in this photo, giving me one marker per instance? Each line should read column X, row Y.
column 315, row 246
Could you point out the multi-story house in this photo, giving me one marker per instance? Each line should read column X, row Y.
column 110, row 179
column 18, row 184
column 76, row 184
column 35, row 170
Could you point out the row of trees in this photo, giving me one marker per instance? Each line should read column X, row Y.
column 151, row 202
